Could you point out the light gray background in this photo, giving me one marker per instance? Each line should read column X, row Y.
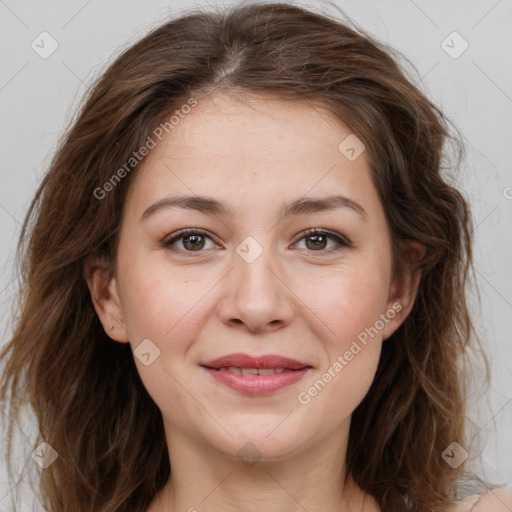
column 38, row 96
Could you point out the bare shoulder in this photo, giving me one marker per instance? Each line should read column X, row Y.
column 498, row 499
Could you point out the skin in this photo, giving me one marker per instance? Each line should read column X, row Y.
column 254, row 153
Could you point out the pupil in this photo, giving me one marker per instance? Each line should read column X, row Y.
column 315, row 244
column 194, row 244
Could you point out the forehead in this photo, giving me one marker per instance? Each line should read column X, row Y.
column 251, row 147
column 268, row 126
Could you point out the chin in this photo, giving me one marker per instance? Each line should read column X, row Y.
column 258, row 441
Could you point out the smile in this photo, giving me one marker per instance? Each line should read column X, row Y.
column 254, row 371
column 256, row 381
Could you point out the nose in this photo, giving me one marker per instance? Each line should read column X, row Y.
column 256, row 296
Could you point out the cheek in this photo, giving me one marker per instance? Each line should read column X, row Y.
column 168, row 310
column 157, row 302
column 349, row 302
column 351, row 306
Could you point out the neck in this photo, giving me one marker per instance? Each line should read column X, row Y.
column 314, row 478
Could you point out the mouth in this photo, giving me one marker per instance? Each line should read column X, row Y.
column 255, row 371
column 253, row 364
column 256, row 375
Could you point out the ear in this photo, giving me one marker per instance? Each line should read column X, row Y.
column 404, row 286
column 105, row 297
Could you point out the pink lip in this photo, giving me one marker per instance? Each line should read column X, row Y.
column 240, row 360
column 256, row 384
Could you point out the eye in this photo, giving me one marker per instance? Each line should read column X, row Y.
column 192, row 240
column 318, row 240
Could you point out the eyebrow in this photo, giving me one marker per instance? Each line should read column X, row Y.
column 300, row 206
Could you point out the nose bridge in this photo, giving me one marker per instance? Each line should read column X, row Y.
column 255, row 266
column 257, row 295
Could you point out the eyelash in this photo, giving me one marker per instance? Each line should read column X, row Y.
column 343, row 243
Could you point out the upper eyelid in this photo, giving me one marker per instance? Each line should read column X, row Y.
column 325, row 232
column 187, row 232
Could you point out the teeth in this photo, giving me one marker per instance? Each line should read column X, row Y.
column 253, row 371
column 249, row 371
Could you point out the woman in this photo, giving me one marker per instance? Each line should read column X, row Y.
column 244, row 281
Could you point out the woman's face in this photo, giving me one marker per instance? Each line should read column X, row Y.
column 252, row 281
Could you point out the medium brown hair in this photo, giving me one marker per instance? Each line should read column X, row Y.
column 90, row 404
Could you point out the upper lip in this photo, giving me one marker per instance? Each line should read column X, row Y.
column 240, row 360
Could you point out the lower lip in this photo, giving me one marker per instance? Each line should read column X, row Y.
column 257, row 384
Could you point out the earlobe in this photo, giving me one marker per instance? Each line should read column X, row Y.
column 404, row 286
column 105, row 297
